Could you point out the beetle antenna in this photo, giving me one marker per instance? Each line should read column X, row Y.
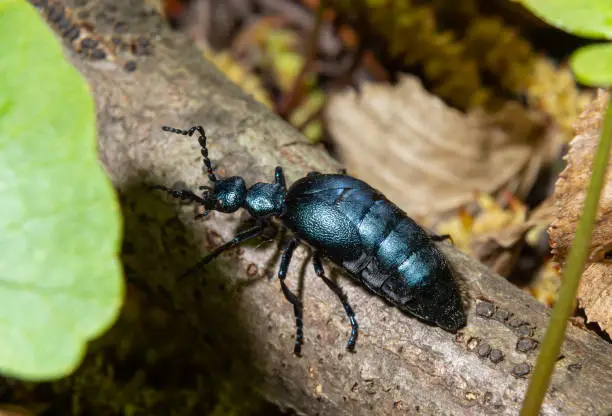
column 202, row 141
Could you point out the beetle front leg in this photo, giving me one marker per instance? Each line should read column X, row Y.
column 238, row 239
column 182, row 194
column 291, row 297
column 316, row 262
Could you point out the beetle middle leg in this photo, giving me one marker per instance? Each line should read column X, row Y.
column 316, row 262
column 291, row 297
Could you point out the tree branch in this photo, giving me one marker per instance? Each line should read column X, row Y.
column 401, row 366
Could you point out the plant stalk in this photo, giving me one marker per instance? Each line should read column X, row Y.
column 553, row 339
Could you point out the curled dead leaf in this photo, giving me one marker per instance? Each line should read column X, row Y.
column 595, row 294
column 495, row 234
column 595, row 291
column 499, row 246
column 430, row 158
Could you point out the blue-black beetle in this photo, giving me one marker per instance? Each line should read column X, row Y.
column 348, row 222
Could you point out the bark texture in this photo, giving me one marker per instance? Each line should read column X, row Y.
column 401, row 365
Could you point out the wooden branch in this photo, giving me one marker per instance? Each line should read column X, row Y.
column 401, row 366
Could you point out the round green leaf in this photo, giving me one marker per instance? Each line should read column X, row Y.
column 585, row 18
column 592, row 65
column 61, row 281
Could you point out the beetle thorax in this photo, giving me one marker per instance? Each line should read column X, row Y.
column 265, row 200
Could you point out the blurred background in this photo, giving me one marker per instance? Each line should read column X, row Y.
column 460, row 112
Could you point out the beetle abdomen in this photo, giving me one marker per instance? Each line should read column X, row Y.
column 422, row 285
column 357, row 228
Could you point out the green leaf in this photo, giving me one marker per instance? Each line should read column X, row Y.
column 592, row 64
column 61, row 281
column 585, row 18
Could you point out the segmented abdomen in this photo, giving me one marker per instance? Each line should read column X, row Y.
column 389, row 237
column 356, row 227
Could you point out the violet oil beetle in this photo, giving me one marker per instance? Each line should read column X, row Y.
column 347, row 222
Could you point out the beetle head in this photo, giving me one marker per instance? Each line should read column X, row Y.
column 227, row 195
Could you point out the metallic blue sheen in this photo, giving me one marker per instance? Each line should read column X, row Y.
column 357, row 228
column 348, row 222
column 265, row 199
column 230, row 194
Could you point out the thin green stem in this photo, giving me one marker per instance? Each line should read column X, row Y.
column 553, row 339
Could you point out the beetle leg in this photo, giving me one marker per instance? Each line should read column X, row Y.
column 238, row 239
column 442, row 237
column 316, row 262
column 181, row 194
column 279, row 177
column 291, row 297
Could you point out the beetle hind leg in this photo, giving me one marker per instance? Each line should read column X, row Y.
column 291, row 297
column 316, row 262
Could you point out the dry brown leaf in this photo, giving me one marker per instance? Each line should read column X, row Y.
column 538, row 218
column 595, row 291
column 495, row 235
column 595, row 295
column 498, row 247
column 545, row 285
column 430, row 158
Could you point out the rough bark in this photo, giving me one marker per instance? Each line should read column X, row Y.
column 401, row 366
